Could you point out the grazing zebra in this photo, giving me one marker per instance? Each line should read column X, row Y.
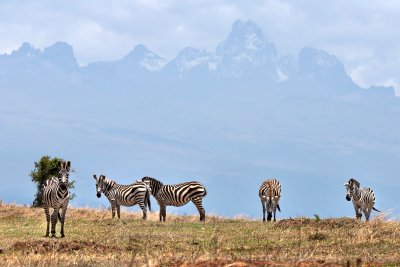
column 270, row 193
column 56, row 196
column 177, row 195
column 124, row 195
column 363, row 199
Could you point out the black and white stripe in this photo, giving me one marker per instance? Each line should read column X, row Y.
column 124, row 195
column 56, row 196
column 363, row 198
column 270, row 193
column 177, row 195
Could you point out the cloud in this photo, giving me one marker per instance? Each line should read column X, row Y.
column 359, row 33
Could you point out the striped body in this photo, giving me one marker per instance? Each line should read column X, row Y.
column 177, row 195
column 270, row 194
column 56, row 196
column 124, row 195
column 363, row 198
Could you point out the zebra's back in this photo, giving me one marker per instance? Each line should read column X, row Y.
column 180, row 194
column 368, row 196
column 270, row 188
column 129, row 195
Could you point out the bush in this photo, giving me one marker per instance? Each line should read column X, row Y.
column 45, row 168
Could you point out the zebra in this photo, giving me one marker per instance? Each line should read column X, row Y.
column 270, row 193
column 363, row 199
column 56, row 196
column 177, row 195
column 123, row 195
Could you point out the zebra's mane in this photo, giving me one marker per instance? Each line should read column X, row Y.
column 152, row 179
column 110, row 183
column 355, row 182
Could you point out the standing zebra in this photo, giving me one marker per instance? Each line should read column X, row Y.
column 363, row 199
column 270, row 193
column 125, row 195
column 177, row 195
column 56, row 196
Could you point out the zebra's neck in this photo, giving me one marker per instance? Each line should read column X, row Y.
column 109, row 186
column 155, row 186
column 357, row 194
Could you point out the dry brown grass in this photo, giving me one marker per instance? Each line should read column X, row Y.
column 94, row 239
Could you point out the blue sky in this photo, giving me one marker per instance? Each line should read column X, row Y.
column 362, row 34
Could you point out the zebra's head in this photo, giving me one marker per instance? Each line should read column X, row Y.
column 271, row 203
column 63, row 174
column 99, row 184
column 154, row 184
column 351, row 187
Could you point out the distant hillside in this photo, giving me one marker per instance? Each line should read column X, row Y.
column 93, row 238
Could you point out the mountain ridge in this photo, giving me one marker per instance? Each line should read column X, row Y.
column 244, row 55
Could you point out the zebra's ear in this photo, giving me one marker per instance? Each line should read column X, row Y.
column 94, row 176
column 68, row 165
column 346, row 184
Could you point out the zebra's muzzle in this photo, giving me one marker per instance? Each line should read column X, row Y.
column 98, row 194
column 63, row 186
column 348, row 198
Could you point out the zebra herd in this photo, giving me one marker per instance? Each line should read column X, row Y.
column 56, row 196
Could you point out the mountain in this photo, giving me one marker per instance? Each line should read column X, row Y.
column 229, row 118
column 246, row 52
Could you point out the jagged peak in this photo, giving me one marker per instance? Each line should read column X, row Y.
column 139, row 52
column 244, row 36
column 58, row 49
column 26, row 49
column 318, row 57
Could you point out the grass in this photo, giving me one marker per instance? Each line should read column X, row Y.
column 94, row 239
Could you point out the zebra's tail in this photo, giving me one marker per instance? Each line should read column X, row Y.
column 375, row 209
column 205, row 192
column 147, row 198
column 279, row 208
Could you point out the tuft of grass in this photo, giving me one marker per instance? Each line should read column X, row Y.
column 94, row 239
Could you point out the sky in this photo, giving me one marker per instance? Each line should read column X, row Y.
column 362, row 34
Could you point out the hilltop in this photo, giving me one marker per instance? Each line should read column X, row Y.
column 93, row 238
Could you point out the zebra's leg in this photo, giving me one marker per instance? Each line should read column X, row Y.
column 119, row 212
column 47, row 212
column 269, row 206
column 163, row 213
column 199, row 205
column 269, row 216
column 263, row 203
column 144, row 209
column 367, row 212
column 274, row 213
column 54, row 218
column 113, row 207
column 64, row 211
column 358, row 212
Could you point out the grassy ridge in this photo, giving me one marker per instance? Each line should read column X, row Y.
column 93, row 238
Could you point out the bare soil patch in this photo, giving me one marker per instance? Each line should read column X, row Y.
column 41, row 247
